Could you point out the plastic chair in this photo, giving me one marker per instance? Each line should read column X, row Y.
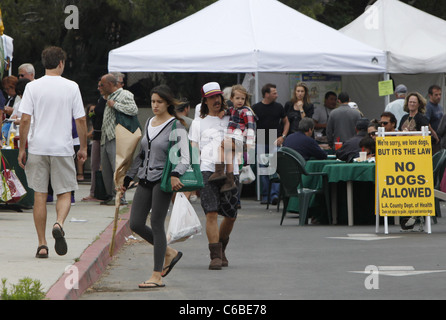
column 291, row 168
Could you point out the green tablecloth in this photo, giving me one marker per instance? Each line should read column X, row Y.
column 363, row 177
column 311, row 182
column 350, row 172
column 11, row 156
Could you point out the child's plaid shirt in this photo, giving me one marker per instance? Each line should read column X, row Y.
column 242, row 123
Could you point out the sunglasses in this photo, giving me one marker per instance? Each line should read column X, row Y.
column 21, row 75
column 384, row 123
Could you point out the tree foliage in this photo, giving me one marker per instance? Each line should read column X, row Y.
column 108, row 24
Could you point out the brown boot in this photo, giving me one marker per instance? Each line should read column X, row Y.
column 219, row 173
column 215, row 250
column 229, row 183
column 224, row 260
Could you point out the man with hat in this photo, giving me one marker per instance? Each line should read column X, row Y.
column 397, row 107
column 207, row 133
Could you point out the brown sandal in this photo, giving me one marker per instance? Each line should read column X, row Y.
column 42, row 255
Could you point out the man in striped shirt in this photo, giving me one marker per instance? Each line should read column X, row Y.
column 118, row 100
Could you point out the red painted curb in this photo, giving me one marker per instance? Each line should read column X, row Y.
column 91, row 264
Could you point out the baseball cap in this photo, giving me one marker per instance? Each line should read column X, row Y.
column 353, row 105
column 210, row 89
column 362, row 124
column 401, row 88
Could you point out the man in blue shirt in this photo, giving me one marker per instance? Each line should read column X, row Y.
column 302, row 142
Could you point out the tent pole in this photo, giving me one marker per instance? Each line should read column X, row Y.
column 256, row 97
column 257, row 87
column 386, row 78
column 386, row 98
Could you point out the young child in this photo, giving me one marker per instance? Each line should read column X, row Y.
column 240, row 133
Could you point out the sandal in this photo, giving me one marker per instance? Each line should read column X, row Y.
column 61, row 245
column 42, row 255
column 172, row 263
column 80, row 177
column 150, row 285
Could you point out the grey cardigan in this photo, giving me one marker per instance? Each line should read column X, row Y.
column 149, row 164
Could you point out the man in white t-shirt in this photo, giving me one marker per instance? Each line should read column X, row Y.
column 397, row 107
column 52, row 101
column 207, row 133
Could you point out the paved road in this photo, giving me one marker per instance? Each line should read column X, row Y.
column 268, row 261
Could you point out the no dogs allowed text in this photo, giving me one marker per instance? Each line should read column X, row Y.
column 404, row 176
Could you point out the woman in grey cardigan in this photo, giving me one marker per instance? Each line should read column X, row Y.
column 148, row 167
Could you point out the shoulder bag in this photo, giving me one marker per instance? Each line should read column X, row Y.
column 192, row 179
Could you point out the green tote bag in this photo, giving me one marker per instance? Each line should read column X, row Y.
column 192, row 179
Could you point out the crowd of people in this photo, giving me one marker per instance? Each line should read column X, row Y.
column 226, row 129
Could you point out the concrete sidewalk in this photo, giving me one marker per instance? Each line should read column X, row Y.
column 88, row 230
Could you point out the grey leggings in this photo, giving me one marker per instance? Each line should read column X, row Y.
column 151, row 197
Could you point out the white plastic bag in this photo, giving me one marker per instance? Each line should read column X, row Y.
column 184, row 222
column 247, row 176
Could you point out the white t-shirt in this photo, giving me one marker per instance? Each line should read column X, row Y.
column 208, row 133
column 52, row 101
column 197, row 111
column 153, row 131
column 397, row 108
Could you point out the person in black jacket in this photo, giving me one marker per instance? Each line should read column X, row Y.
column 350, row 149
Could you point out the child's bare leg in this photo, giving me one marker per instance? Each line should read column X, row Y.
column 229, row 155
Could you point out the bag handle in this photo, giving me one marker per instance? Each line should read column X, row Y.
column 174, row 127
column 3, row 161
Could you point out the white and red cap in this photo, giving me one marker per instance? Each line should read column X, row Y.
column 210, row 89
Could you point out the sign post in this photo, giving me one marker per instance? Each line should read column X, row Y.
column 404, row 176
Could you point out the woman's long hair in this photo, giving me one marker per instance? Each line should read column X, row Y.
column 166, row 94
column 422, row 102
column 306, row 96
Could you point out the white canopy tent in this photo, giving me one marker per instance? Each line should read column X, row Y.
column 415, row 43
column 247, row 36
column 414, row 40
column 6, row 51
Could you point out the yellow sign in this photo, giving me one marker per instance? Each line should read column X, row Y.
column 385, row 88
column 405, row 182
column 2, row 27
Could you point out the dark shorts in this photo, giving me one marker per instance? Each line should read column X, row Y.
column 214, row 201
